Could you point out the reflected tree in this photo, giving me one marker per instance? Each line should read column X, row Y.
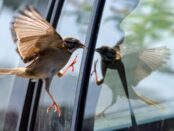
column 81, row 12
column 119, row 10
column 149, row 20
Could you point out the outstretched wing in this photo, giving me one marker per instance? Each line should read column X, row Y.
column 33, row 34
column 124, row 48
column 119, row 43
column 138, row 65
column 142, row 63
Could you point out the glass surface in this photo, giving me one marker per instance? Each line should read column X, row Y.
column 8, row 58
column 12, row 89
column 73, row 22
column 147, row 56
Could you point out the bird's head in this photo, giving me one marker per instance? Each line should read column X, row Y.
column 108, row 53
column 72, row 44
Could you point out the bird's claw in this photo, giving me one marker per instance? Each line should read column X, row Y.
column 95, row 65
column 73, row 63
column 96, row 62
column 92, row 72
column 72, row 68
column 55, row 107
column 102, row 114
column 62, row 73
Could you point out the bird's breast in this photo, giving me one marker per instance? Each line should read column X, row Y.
column 49, row 63
column 113, row 64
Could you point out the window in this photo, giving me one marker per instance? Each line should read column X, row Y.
column 147, row 29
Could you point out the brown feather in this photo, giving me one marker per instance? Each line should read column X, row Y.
column 33, row 34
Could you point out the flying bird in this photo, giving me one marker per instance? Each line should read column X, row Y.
column 136, row 64
column 42, row 48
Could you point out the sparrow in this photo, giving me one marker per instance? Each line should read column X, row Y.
column 43, row 50
column 132, row 66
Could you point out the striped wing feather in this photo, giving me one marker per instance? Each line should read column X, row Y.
column 143, row 62
column 33, row 34
column 139, row 64
column 150, row 60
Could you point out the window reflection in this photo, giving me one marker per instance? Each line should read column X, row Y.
column 73, row 22
column 138, row 65
column 146, row 53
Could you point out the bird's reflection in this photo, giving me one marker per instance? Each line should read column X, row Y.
column 132, row 66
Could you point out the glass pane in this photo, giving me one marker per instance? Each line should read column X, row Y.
column 144, row 36
column 73, row 22
column 8, row 59
column 13, row 89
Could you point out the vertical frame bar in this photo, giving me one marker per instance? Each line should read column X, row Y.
column 87, row 58
column 27, row 107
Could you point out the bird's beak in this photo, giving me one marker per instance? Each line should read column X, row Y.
column 97, row 50
column 82, row 46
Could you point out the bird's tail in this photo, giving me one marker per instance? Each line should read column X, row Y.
column 19, row 71
column 6, row 71
column 150, row 102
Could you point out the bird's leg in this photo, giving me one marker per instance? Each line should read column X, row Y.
column 95, row 70
column 54, row 105
column 62, row 73
column 103, row 112
column 114, row 100
column 95, row 73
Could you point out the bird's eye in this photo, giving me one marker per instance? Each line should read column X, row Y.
column 71, row 47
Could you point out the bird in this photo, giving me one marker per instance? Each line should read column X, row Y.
column 40, row 47
column 136, row 64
